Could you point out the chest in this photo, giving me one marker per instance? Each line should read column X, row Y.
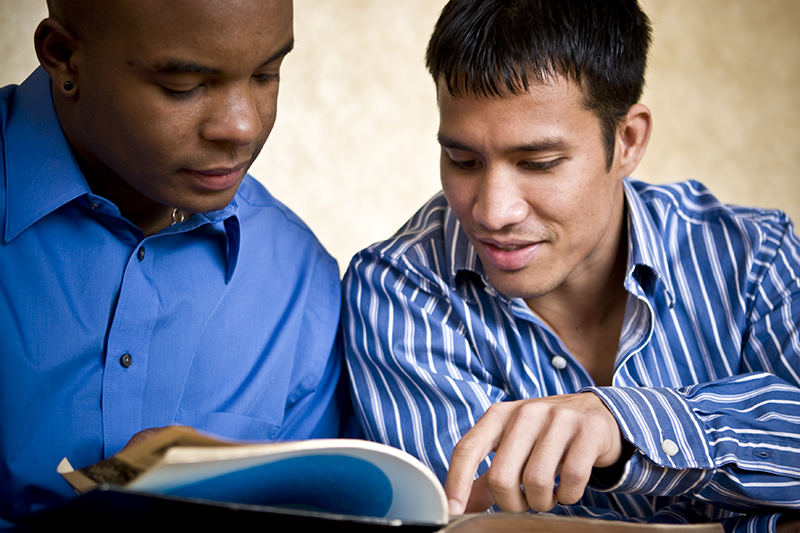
column 657, row 346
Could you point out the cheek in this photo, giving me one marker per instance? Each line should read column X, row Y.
column 151, row 143
column 458, row 197
column 593, row 216
column 139, row 124
column 589, row 195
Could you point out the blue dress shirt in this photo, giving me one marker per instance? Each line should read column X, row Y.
column 706, row 375
column 226, row 322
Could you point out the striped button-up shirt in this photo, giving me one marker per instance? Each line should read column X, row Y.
column 706, row 376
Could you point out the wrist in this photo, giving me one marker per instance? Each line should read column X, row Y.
column 609, row 476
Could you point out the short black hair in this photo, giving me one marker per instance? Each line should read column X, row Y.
column 498, row 47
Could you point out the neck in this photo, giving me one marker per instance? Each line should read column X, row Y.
column 149, row 216
column 587, row 315
column 587, row 303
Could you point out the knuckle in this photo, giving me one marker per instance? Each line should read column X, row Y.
column 572, row 485
column 502, row 479
column 496, row 412
column 467, row 446
column 573, row 476
column 541, row 501
column 536, row 483
column 528, row 412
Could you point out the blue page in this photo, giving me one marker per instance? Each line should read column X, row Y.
column 328, row 483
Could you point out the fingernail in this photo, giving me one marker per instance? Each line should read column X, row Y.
column 455, row 507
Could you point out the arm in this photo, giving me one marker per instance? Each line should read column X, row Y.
column 743, row 458
column 734, row 442
column 738, row 438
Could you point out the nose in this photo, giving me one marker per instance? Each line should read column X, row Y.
column 234, row 117
column 499, row 202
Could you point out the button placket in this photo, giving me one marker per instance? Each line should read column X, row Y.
column 128, row 350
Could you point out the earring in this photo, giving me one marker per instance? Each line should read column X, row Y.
column 68, row 85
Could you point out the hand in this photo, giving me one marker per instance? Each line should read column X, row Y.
column 534, row 441
column 145, row 434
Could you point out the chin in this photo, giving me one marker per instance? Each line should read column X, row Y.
column 521, row 284
column 209, row 204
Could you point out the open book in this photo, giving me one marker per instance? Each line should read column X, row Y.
column 338, row 484
column 337, row 476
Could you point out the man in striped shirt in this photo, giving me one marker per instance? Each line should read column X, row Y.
column 586, row 343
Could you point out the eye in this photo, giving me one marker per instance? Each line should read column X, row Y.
column 540, row 166
column 468, row 164
column 461, row 159
column 266, row 78
column 180, row 94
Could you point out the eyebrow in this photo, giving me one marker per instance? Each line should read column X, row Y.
column 542, row 145
column 177, row 66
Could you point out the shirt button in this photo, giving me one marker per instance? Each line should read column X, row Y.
column 558, row 362
column 126, row 360
column 669, row 447
column 140, row 255
column 94, row 206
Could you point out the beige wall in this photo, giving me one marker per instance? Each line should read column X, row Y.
column 354, row 150
column 723, row 87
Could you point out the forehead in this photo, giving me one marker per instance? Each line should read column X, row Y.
column 232, row 28
column 550, row 110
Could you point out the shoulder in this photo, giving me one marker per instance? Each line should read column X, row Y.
column 254, row 200
column 427, row 227
column 690, row 202
column 272, row 228
column 693, row 227
column 419, row 272
column 418, row 248
column 257, row 207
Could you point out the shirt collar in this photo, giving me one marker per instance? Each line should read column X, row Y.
column 463, row 258
column 646, row 251
column 35, row 147
column 229, row 217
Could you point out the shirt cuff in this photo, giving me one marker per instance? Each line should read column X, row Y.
column 667, row 435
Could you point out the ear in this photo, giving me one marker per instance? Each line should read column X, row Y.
column 632, row 138
column 57, row 49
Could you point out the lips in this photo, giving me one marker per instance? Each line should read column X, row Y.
column 509, row 247
column 511, row 254
column 217, row 179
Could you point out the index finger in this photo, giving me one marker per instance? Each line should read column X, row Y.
column 473, row 448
